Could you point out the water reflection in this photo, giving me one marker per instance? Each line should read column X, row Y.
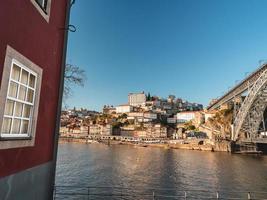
column 146, row 168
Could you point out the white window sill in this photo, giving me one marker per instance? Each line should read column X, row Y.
column 15, row 137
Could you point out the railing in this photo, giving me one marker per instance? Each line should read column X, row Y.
column 256, row 140
column 92, row 193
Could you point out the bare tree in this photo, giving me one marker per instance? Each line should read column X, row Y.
column 73, row 76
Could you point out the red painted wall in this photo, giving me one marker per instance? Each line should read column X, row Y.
column 24, row 29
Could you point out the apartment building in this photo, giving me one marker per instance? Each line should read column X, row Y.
column 124, row 109
column 137, row 99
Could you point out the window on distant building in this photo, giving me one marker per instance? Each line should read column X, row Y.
column 19, row 95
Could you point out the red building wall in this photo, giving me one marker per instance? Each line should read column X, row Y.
column 25, row 30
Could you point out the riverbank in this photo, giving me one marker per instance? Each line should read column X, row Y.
column 200, row 145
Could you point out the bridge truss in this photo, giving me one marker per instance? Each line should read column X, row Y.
column 239, row 88
column 249, row 116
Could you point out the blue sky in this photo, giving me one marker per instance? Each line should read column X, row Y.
column 194, row 49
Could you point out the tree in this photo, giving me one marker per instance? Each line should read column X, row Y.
column 148, row 98
column 222, row 122
column 189, row 126
column 74, row 75
column 123, row 116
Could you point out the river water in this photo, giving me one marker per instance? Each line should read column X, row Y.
column 167, row 171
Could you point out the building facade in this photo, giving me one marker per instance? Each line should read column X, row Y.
column 185, row 116
column 109, row 110
column 97, row 129
column 137, row 99
column 32, row 61
column 124, row 109
column 171, row 120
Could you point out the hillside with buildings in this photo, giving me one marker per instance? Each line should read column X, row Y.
column 143, row 116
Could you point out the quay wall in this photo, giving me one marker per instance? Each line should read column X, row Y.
column 193, row 145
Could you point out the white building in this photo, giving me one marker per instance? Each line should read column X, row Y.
column 167, row 107
column 106, row 130
column 135, row 114
column 124, row 109
column 185, row 116
column 144, row 120
column 142, row 117
column 137, row 99
column 156, row 131
column 150, row 115
column 97, row 129
column 130, row 118
column 171, row 120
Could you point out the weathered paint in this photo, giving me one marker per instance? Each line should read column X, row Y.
column 35, row 180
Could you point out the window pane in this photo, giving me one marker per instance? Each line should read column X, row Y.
column 30, row 96
column 25, row 126
column 32, row 81
column 6, row 125
column 42, row 3
column 26, row 111
column 13, row 89
column 24, row 77
column 15, row 72
column 18, row 109
column 22, row 92
column 9, row 107
column 16, row 126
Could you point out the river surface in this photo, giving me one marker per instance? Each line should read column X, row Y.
column 168, row 171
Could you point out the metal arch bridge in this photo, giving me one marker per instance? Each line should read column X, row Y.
column 250, row 113
column 239, row 89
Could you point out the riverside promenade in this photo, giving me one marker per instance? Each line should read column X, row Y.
column 188, row 144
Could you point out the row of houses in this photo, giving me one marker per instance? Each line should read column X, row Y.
column 83, row 130
column 143, row 116
column 148, row 131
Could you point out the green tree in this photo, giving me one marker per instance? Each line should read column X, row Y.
column 189, row 126
column 148, row 98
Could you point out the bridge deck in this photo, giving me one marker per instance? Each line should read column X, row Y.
column 239, row 88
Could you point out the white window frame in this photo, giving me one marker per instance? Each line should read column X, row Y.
column 12, row 140
column 44, row 13
column 15, row 100
column 43, row 4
